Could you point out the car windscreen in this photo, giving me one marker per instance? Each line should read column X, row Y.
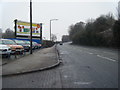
column 8, row 42
column 0, row 41
column 19, row 42
column 27, row 42
column 34, row 42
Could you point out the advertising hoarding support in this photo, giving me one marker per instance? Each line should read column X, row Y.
column 15, row 27
column 41, row 32
column 30, row 26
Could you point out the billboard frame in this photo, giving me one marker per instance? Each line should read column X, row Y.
column 15, row 27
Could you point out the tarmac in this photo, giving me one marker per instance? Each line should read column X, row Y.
column 41, row 60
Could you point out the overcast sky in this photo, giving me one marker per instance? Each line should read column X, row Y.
column 67, row 13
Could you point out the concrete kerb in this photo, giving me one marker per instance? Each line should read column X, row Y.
column 41, row 69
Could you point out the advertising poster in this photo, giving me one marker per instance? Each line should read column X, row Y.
column 23, row 29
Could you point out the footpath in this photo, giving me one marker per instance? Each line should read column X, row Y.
column 40, row 60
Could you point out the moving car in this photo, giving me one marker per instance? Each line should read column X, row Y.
column 21, row 42
column 61, row 43
column 5, row 50
column 16, row 49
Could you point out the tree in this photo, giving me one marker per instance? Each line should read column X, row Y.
column 118, row 10
column 116, row 29
column 8, row 34
column 65, row 38
column 73, row 29
column 95, row 32
column 103, row 23
column 116, row 32
column 53, row 37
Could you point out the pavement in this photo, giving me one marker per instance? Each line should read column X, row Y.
column 41, row 60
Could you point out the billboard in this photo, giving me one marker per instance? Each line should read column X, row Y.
column 23, row 29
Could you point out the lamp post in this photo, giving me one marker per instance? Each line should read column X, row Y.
column 50, row 26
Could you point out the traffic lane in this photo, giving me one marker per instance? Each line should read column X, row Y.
column 112, row 56
column 104, row 49
column 100, row 51
column 108, row 56
column 89, row 62
column 43, row 79
column 81, row 69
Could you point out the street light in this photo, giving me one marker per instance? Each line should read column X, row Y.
column 50, row 26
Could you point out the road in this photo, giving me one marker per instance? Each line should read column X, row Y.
column 81, row 67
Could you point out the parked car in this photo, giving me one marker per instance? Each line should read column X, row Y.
column 21, row 42
column 28, row 42
column 16, row 49
column 37, row 46
column 5, row 50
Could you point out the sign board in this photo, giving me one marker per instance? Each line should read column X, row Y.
column 23, row 29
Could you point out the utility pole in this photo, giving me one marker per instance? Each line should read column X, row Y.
column 30, row 26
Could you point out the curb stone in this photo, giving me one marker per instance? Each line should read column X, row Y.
column 41, row 69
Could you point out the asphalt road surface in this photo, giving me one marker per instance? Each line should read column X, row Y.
column 82, row 67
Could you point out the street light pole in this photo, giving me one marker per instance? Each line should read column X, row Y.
column 50, row 26
column 50, row 30
column 30, row 26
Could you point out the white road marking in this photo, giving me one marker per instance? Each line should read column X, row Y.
column 65, row 76
column 98, row 50
column 82, row 83
column 64, row 52
column 90, row 53
column 103, row 57
column 106, row 58
column 110, row 53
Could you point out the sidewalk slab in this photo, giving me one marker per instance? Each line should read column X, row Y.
column 38, row 60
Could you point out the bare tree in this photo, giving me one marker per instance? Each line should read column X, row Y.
column 8, row 34
column 119, row 10
column 65, row 38
column 53, row 37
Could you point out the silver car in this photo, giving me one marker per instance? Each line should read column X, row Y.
column 5, row 50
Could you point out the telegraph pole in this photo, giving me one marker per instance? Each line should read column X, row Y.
column 30, row 26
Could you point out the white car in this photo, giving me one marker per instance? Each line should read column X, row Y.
column 5, row 50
